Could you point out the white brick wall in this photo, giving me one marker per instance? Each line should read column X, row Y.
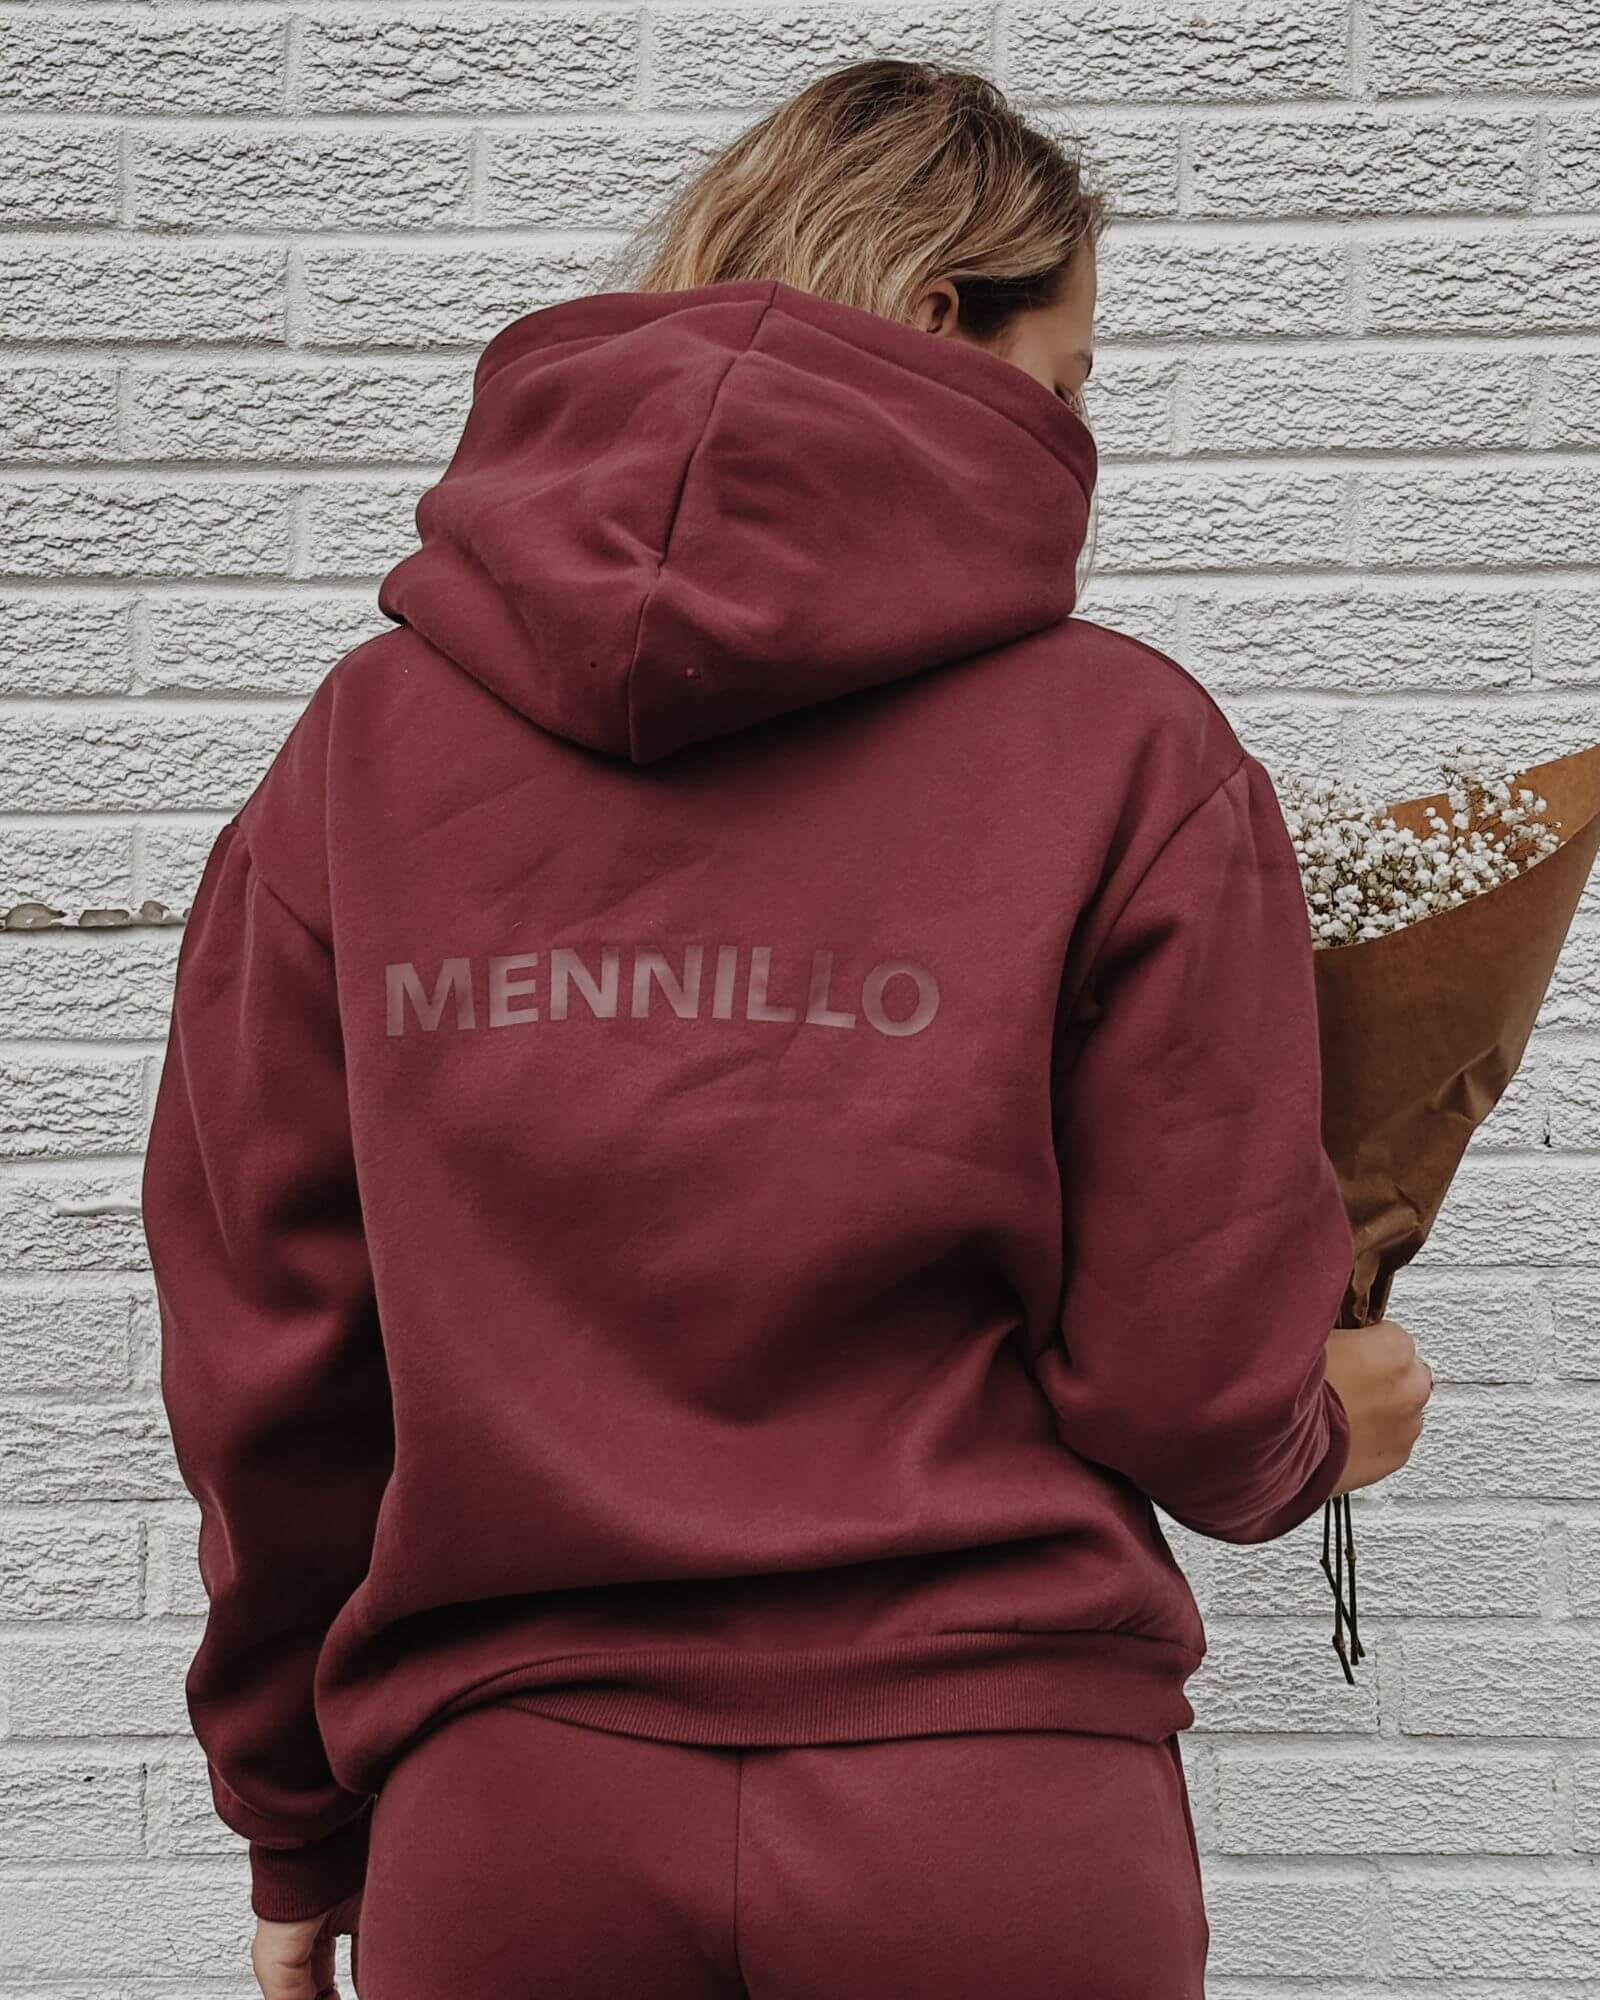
column 1350, row 413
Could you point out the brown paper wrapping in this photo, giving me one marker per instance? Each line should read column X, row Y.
column 1423, row 1028
column 1421, row 1031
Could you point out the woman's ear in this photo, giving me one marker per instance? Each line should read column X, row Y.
column 938, row 308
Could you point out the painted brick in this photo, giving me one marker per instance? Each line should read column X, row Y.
column 1507, row 1444
column 1586, row 1805
column 593, row 174
column 1523, row 280
column 1202, row 520
column 145, row 1336
column 1402, row 742
column 1522, row 1117
column 1518, row 1214
column 63, row 643
column 1573, row 1000
column 264, row 643
column 60, row 174
column 1572, row 160
column 79, row 1686
column 100, row 64
column 496, row 59
column 1544, row 1929
column 1145, row 610
column 154, row 760
column 443, row 298
column 1583, row 1568
column 1431, row 45
column 53, row 1107
column 1463, row 1683
column 1349, row 1989
column 1195, row 1555
column 1389, row 1804
column 68, row 868
column 1474, row 1329
column 1407, row 1566
column 1576, row 1305
column 1293, row 1927
column 1567, row 652
column 173, row 1585
column 189, row 1823
column 1573, row 1073
column 1282, row 1680
column 61, row 1566
column 1368, row 638
column 320, row 178
column 82, row 986
column 1186, row 287
column 1130, row 406
column 1359, row 402
column 120, row 292
column 189, row 1921
column 360, row 527
column 63, row 1808
column 1361, row 163
column 52, row 1452
column 73, row 1220
column 306, row 412
column 174, row 856
column 1166, row 50
column 1511, row 518
column 1132, row 161
column 63, row 1339
column 1572, row 410
column 189, row 526
column 49, row 413
column 705, row 56
column 1285, row 736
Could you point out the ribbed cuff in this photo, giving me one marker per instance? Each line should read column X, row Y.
column 1324, row 1477
column 287, row 1883
column 1297, row 1501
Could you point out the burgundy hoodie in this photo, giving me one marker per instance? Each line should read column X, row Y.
column 743, row 1097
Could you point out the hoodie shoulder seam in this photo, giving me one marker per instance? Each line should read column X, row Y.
column 1171, row 835
column 1221, row 785
column 648, row 597
column 275, row 895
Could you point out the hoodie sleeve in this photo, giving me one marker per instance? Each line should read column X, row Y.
column 272, row 1367
column 1207, row 1244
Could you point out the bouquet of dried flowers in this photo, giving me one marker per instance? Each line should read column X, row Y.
column 1438, row 923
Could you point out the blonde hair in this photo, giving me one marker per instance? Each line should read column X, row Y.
column 871, row 184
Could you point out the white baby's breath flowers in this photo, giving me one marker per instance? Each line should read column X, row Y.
column 1363, row 874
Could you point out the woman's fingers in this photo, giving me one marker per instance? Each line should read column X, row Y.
column 1384, row 1385
column 295, row 1961
column 323, row 1964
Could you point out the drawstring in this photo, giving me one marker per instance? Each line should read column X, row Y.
column 1339, row 1566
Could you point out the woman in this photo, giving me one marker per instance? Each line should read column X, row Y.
column 743, row 1099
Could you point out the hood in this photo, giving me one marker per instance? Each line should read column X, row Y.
column 674, row 514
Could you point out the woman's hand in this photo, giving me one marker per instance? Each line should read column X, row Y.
column 294, row 1961
column 1384, row 1385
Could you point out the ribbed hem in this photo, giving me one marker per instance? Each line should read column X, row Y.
column 287, row 1883
column 1101, row 1683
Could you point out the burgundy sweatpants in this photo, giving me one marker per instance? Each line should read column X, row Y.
column 515, row 1855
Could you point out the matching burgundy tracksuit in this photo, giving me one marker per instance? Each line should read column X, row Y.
column 742, row 1107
